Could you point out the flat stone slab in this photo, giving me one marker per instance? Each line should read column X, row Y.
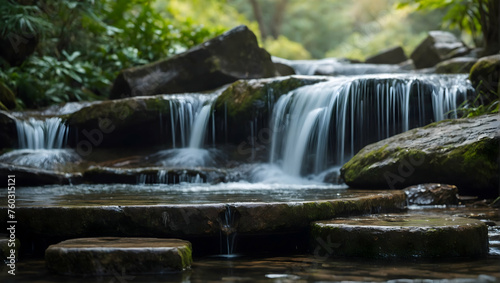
column 113, row 255
column 401, row 236
column 159, row 219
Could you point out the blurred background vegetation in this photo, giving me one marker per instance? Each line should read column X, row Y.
column 80, row 46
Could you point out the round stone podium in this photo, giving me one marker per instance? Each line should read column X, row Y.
column 400, row 236
column 114, row 255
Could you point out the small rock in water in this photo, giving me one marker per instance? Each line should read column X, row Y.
column 432, row 194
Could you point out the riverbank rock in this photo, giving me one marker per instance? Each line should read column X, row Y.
column 122, row 122
column 462, row 152
column 245, row 106
column 112, row 255
column 8, row 132
column 401, row 236
column 457, row 65
column 224, row 59
column 393, row 55
column 432, row 194
column 485, row 77
column 437, row 47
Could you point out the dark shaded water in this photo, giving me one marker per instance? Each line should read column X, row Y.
column 294, row 268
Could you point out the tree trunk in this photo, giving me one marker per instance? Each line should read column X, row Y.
column 279, row 12
column 490, row 21
column 258, row 17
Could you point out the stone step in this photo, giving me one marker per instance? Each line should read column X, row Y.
column 114, row 255
column 400, row 236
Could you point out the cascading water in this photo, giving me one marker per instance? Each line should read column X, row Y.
column 42, row 134
column 41, row 144
column 188, row 121
column 323, row 125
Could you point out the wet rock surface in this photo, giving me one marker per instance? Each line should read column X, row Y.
column 460, row 152
column 403, row 236
column 153, row 175
column 110, row 256
column 224, row 59
column 246, row 105
column 432, row 194
column 28, row 176
column 84, row 219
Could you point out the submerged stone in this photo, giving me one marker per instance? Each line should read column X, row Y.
column 110, row 256
column 224, row 59
column 432, row 194
column 29, row 176
column 462, row 152
column 401, row 236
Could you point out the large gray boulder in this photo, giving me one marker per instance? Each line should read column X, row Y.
column 224, row 59
column 437, row 47
column 461, row 152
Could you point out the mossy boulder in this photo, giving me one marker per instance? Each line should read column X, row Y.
column 112, row 255
column 401, row 236
column 457, row 65
column 462, row 152
column 245, row 106
column 484, row 76
column 224, row 59
column 130, row 121
column 393, row 55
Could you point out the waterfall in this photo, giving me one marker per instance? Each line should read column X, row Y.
column 41, row 134
column 189, row 115
column 41, row 145
column 323, row 125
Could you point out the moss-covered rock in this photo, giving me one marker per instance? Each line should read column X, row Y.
column 129, row 121
column 462, row 152
column 224, row 59
column 401, row 236
column 484, row 76
column 7, row 97
column 245, row 106
column 110, row 256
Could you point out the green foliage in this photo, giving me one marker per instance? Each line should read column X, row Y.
column 285, row 48
column 479, row 18
column 84, row 44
